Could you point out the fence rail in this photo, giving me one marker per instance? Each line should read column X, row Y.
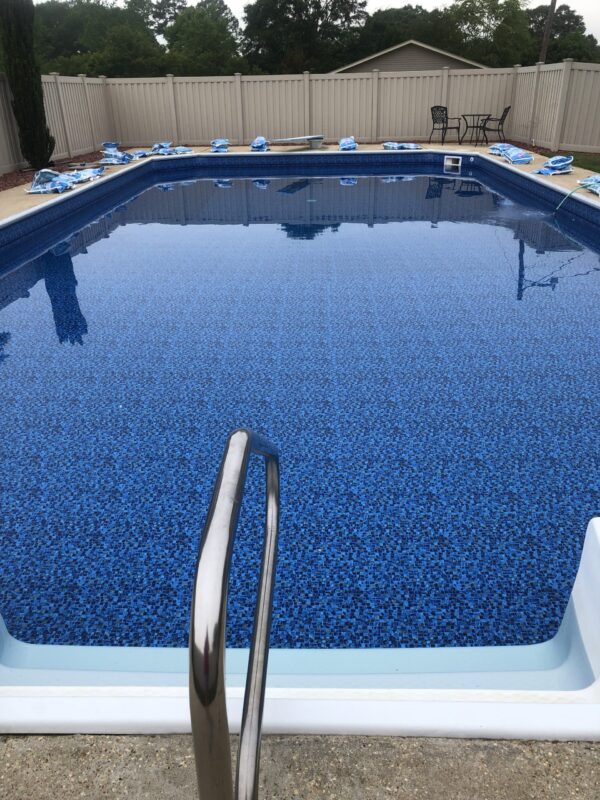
column 553, row 105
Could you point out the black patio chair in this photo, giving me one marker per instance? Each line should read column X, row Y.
column 496, row 126
column 439, row 115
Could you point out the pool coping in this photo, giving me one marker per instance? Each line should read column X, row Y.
column 402, row 157
column 39, row 698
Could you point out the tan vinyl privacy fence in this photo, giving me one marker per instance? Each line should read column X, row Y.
column 553, row 105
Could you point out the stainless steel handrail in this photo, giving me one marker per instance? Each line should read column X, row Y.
column 210, row 729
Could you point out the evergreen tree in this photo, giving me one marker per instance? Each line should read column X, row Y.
column 24, row 79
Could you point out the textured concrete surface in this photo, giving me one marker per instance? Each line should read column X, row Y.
column 307, row 767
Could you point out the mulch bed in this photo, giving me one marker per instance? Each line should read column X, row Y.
column 19, row 177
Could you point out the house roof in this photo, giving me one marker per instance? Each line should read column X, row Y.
column 404, row 44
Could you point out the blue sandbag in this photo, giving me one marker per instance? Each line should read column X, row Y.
column 347, row 143
column 515, row 155
column 112, row 154
column 219, row 145
column 348, row 181
column 591, row 183
column 558, row 165
column 500, row 148
column 259, row 145
column 165, row 149
column 48, row 181
column 401, row 146
column 261, row 184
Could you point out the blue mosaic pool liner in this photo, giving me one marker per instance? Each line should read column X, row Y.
column 31, row 235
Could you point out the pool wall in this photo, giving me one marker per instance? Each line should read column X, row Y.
column 29, row 233
column 548, row 690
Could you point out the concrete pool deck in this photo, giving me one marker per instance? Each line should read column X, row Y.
column 306, row 767
column 17, row 201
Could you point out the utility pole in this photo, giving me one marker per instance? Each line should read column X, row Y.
column 547, row 30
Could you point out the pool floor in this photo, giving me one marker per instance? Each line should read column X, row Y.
column 424, row 353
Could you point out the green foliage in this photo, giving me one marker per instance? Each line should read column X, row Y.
column 144, row 38
column 295, row 35
column 203, row 40
column 494, row 32
column 164, row 13
column 22, row 71
column 391, row 26
column 96, row 38
column 568, row 37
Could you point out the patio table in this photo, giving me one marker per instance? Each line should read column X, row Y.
column 475, row 122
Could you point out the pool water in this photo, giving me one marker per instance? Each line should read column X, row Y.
column 423, row 351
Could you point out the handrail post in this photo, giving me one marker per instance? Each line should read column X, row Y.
column 208, row 708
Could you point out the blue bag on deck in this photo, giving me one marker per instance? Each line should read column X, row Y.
column 591, row 183
column 348, row 143
column 500, row 148
column 514, row 155
column 219, row 145
column 558, row 165
column 401, row 146
column 259, row 145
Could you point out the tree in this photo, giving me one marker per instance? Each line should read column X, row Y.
column 143, row 9
column 24, row 79
column 392, row 26
column 164, row 13
column 546, row 33
column 204, row 40
column 568, row 36
column 495, row 32
column 295, row 35
column 97, row 38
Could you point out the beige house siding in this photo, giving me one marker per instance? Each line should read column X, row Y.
column 411, row 57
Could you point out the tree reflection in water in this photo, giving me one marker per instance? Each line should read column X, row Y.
column 61, row 284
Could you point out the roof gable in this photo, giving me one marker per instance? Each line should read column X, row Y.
column 466, row 61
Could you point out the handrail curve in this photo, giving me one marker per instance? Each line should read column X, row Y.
column 210, row 728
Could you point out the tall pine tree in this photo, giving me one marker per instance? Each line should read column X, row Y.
column 25, row 81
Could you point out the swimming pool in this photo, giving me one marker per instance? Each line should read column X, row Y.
column 422, row 348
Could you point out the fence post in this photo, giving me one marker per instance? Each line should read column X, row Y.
column 306, row 79
column 61, row 113
column 88, row 105
column 173, row 107
column 445, row 85
column 513, row 92
column 109, row 105
column 240, row 106
column 559, row 122
column 536, row 86
column 375, row 105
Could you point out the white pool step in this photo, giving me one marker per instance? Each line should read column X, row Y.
column 549, row 690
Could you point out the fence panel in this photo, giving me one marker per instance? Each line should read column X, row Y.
column 206, row 109
column 519, row 118
column 371, row 106
column 10, row 154
column 341, row 105
column 404, row 104
column 582, row 115
column 142, row 110
column 54, row 116
column 273, row 106
column 74, row 104
column 100, row 111
column 479, row 91
column 547, row 104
